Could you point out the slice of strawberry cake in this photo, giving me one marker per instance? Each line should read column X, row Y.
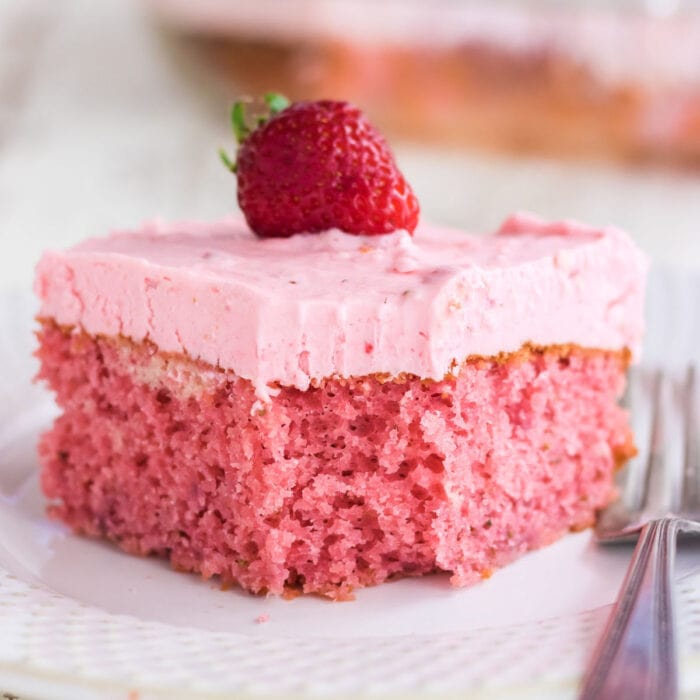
column 322, row 411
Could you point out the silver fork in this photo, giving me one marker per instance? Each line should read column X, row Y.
column 636, row 657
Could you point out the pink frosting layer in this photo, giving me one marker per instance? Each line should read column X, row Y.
column 292, row 311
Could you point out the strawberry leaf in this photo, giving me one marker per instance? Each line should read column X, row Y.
column 230, row 164
column 238, row 122
column 276, row 102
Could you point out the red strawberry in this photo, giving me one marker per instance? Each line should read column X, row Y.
column 312, row 166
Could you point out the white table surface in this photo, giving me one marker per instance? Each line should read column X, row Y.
column 106, row 121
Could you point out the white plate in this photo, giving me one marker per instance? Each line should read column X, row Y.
column 80, row 619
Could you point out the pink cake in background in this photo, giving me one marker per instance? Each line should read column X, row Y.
column 324, row 412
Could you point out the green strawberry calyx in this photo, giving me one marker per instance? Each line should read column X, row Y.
column 240, row 123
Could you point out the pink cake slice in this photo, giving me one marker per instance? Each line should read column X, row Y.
column 330, row 411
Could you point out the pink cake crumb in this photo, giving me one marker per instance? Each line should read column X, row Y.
column 261, row 619
column 347, row 484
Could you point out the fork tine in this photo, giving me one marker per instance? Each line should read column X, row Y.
column 640, row 401
column 664, row 471
column 664, row 477
column 690, row 494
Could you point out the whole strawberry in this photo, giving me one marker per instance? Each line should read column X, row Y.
column 313, row 166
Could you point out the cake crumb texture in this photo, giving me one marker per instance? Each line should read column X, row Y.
column 347, row 484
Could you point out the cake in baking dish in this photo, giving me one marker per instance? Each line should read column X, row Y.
column 324, row 412
column 576, row 78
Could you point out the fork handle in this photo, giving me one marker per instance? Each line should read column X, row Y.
column 636, row 656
